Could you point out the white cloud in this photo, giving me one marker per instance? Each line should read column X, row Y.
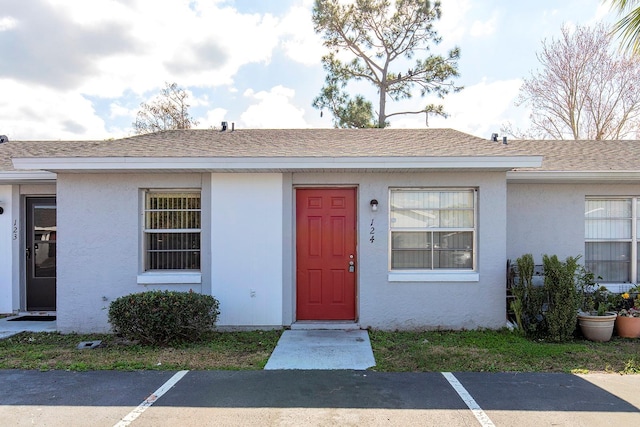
column 300, row 42
column 213, row 118
column 453, row 24
column 274, row 110
column 479, row 109
column 200, row 42
column 116, row 110
column 47, row 114
column 7, row 23
column 484, row 28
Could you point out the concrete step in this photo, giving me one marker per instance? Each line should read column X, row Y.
column 309, row 325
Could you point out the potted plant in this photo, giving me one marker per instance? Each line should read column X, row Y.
column 594, row 318
column 628, row 320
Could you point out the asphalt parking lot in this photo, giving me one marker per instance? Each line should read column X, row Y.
column 327, row 398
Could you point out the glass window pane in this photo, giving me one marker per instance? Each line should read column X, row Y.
column 453, row 259
column 411, row 240
column 432, row 210
column 414, row 218
column 456, row 218
column 414, row 199
column 44, row 254
column 617, row 208
column 453, row 240
column 411, row 259
column 456, row 199
column 172, row 249
column 610, row 262
column 607, row 229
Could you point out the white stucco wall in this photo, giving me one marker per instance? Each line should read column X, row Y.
column 409, row 305
column 99, row 245
column 549, row 218
column 247, row 248
column 7, row 250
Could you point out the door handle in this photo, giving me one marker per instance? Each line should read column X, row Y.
column 28, row 253
column 352, row 267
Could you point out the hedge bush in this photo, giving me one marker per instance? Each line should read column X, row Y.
column 548, row 311
column 163, row 317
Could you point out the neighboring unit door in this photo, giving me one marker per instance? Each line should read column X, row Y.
column 40, row 254
column 326, row 254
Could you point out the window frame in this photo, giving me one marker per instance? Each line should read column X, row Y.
column 175, row 275
column 633, row 240
column 434, row 274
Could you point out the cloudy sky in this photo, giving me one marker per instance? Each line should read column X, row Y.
column 79, row 69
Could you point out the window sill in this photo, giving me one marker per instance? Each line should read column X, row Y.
column 164, row 278
column 456, row 276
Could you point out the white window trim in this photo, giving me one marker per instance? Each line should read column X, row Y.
column 170, row 277
column 436, row 275
column 149, row 277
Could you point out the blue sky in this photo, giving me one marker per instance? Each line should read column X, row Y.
column 78, row 69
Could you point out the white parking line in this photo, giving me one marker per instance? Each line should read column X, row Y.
column 482, row 418
column 131, row 416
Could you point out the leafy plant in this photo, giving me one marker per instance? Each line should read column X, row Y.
column 529, row 299
column 562, row 297
column 549, row 310
column 163, row 317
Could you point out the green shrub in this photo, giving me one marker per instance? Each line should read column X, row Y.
column 562, row 297
column 548, row 311
column 163, row 317
column 529, row 299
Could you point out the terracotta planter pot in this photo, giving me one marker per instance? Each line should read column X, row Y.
column 597, row 328
column 628, row 327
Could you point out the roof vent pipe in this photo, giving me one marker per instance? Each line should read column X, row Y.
column 233, row 126
column 504, row 140
column 4, row 138
column 224, row 126
column 494, row 137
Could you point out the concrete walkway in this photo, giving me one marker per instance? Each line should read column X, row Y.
column 9, row 328
column 322, row 349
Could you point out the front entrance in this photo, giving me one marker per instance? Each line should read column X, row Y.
column 326, row 254
column 40, row 254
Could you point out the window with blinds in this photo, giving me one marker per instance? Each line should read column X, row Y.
column 432, row 229
column 611, row 238
column 172, row 230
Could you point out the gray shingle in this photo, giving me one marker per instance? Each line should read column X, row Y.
column 558, row 155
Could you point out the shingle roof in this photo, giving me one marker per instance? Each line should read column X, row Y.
column 290, row 143
column 569, row 155
column 268, row 143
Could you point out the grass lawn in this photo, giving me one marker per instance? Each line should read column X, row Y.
column 45, row 351
column 499, row 351
column 435, row 351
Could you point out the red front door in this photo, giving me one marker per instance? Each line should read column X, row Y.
column 326, row 253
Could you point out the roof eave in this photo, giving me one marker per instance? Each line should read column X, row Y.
column 27, row 177
column 569, row 177
column 105, row 164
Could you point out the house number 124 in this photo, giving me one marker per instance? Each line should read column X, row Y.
column 372, row 232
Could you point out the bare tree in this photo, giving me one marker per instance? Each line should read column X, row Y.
column 378, row 40
column 583, row 90
column 168, row 110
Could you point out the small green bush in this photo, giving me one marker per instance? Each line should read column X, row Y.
column 548, row 311
column 562, row 297
column 163, row 317
column 529, row 302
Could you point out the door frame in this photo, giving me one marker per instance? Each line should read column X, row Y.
column 294, row 301
column 24, row 241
